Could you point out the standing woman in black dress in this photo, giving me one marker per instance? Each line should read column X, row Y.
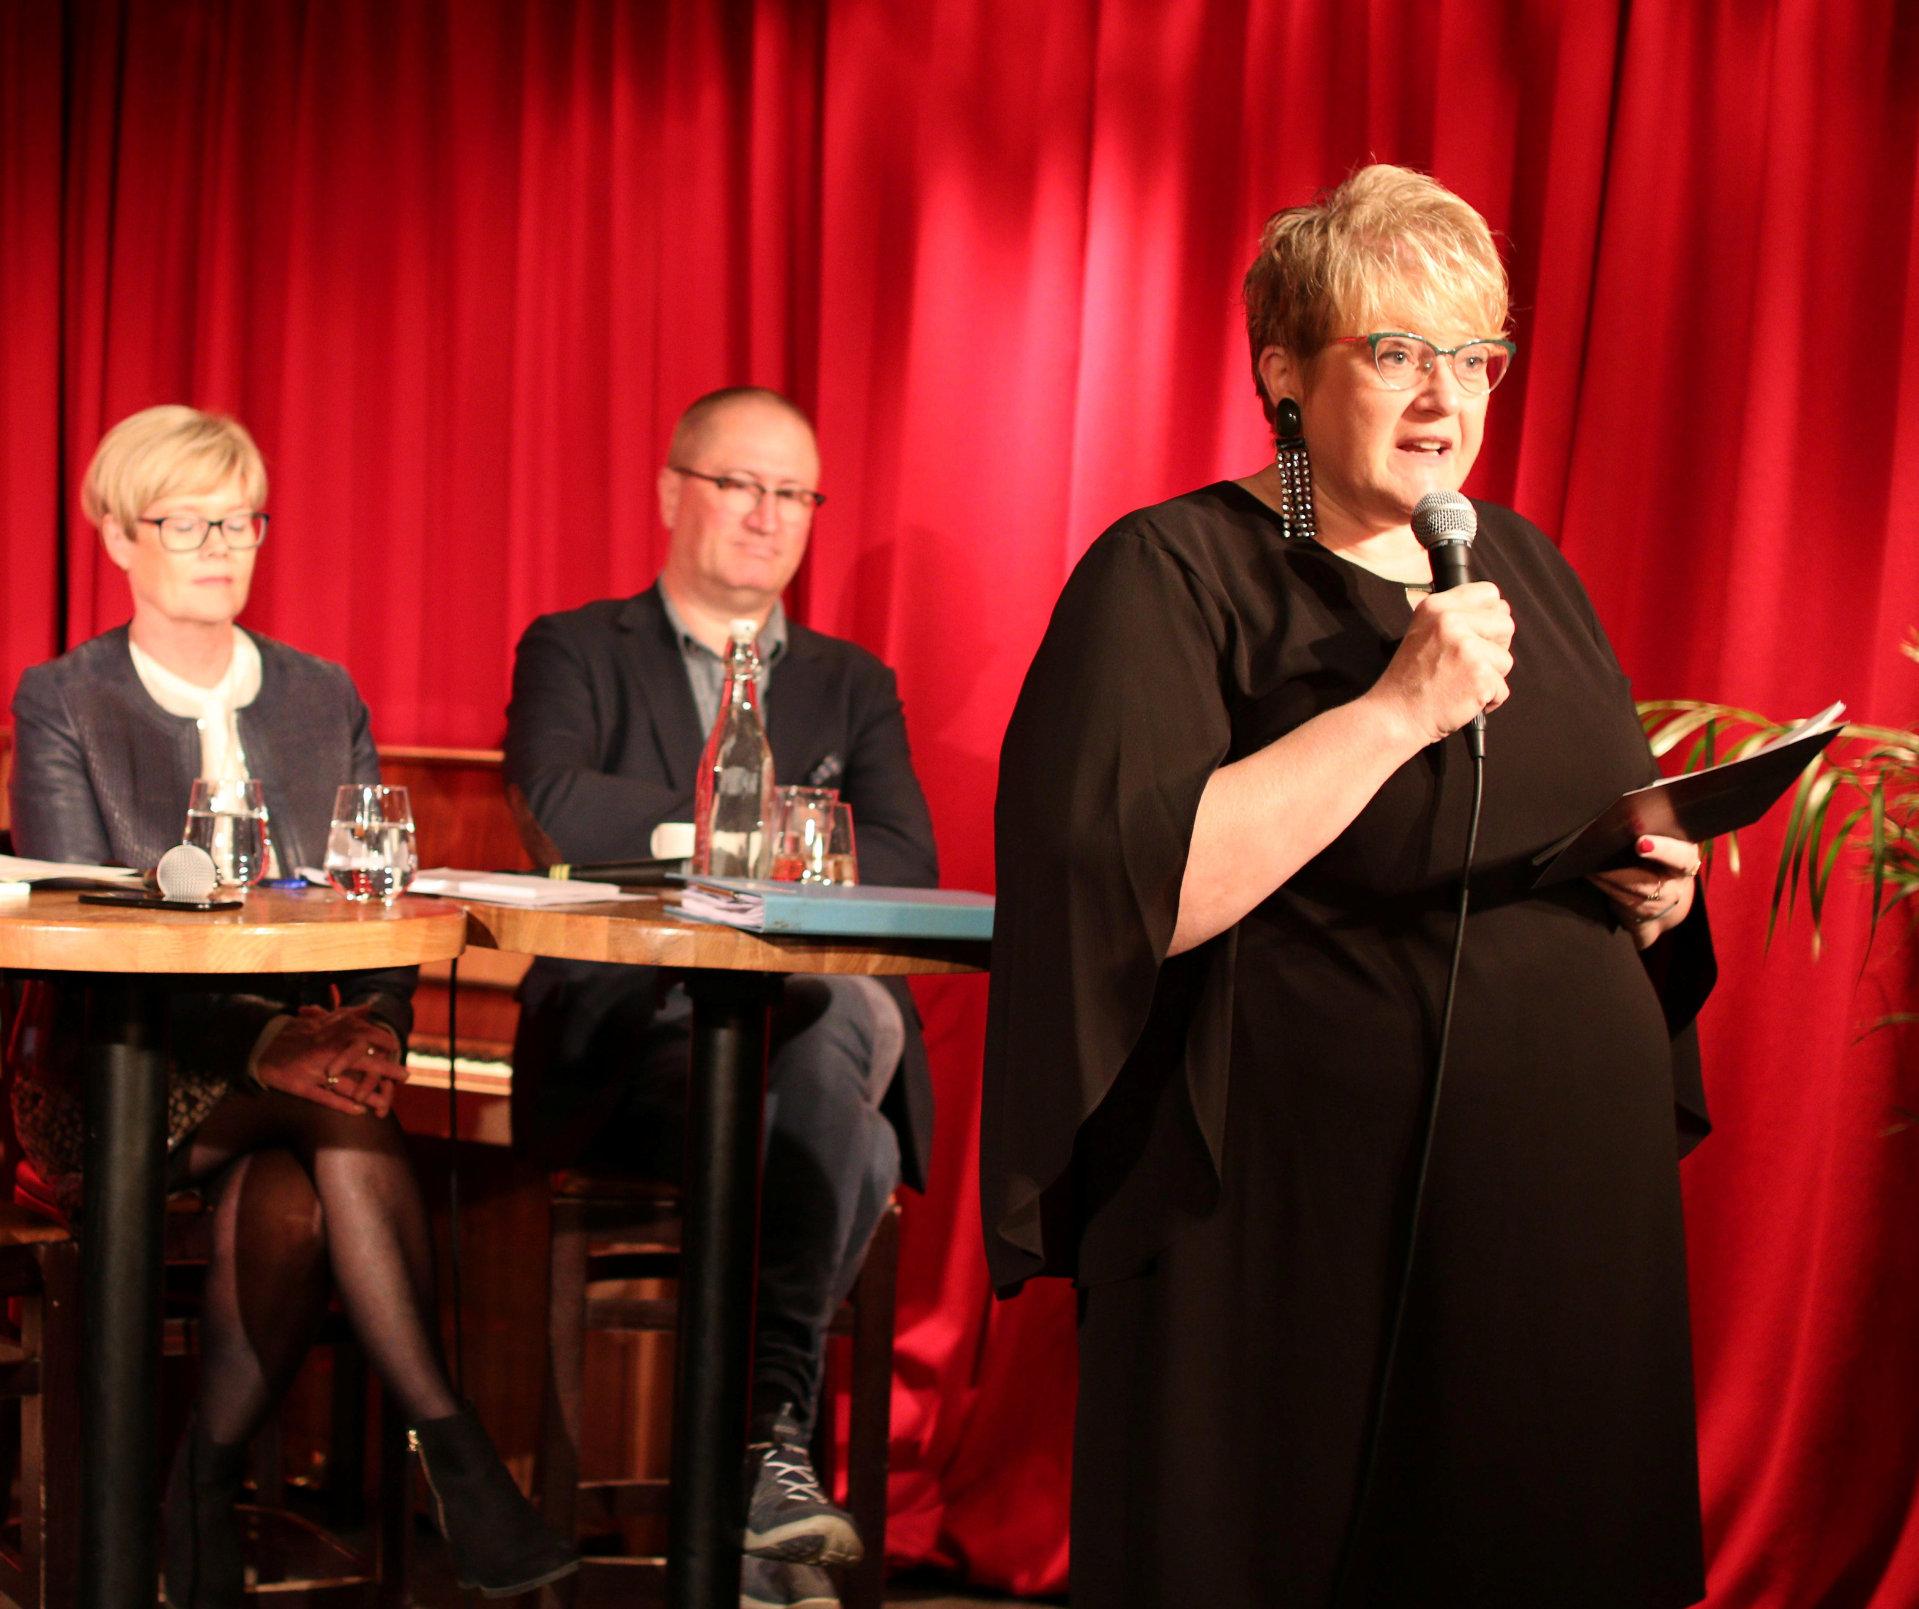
column 279, row 1088
column 1233, row 810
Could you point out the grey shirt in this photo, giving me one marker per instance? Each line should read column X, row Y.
column 706, row 670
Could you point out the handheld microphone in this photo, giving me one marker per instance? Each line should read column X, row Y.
column 1446, row 524
column 186, row 871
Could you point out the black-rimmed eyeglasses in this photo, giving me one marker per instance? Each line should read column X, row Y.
column 187, row 533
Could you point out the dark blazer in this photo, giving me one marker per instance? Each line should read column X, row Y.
column 603, row 741
column 101, row 774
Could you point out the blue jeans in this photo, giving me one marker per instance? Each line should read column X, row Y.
column 832, row 1161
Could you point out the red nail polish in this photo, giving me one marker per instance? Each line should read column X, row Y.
column 1645, row 846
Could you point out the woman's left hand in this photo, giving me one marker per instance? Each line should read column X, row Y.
column 1654, row 896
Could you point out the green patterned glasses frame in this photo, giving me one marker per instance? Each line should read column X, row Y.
column 1405, row 360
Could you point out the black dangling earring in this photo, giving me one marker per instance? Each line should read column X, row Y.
column 1295, row 473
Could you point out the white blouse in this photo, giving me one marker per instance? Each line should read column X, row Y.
column 215, row 710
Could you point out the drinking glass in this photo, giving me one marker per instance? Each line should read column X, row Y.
column 801, row 825
column 228, row 819
column 369, row 850
column 842, row 863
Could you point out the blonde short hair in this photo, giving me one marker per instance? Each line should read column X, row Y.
column 1386, row 238
column 163, row 452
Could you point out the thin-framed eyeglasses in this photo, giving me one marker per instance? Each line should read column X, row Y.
column 187, row 533
column 743, row 494
column 1405, row 360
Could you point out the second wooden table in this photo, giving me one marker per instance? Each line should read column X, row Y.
column 734, row 979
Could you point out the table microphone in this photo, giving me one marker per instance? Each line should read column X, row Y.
column 187, row 881
column 186, row 871
column 1446, row 523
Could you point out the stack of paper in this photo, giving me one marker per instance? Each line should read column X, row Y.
column 18, row 869
column 513, row 888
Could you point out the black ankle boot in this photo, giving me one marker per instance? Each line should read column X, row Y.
column 499, row 1544
column 205, row 1565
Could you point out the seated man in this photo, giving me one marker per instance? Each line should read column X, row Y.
column 611, row 706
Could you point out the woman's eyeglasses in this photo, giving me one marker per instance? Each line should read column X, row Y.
column 1405, row 360
column 187, row 533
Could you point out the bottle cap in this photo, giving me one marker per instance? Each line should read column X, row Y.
column 743, row 630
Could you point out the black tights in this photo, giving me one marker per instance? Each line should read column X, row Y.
column 305, row 1188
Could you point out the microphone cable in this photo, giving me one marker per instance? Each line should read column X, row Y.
column 1376, row 1422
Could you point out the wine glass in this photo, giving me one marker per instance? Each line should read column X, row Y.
column 369, row 848
column 228, row 819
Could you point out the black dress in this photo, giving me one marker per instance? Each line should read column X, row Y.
column 1217, row 1146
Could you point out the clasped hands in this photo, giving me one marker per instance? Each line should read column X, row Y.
column 343, row 1057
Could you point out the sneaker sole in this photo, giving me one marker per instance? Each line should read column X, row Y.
column 818, row 1540
column 528, row 1585
column 749, row 1601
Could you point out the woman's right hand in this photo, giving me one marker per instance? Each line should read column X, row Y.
column 1452, row 663
column 344, row 1058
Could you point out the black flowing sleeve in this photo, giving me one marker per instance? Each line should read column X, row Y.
column 1106, row 1065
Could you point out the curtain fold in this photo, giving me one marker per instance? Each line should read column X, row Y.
column 31, row 61
column 459, row 263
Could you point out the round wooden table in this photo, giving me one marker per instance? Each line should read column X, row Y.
column 734, row 979
column 129, row 958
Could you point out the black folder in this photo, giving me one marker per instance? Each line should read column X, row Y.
column 1696, row 806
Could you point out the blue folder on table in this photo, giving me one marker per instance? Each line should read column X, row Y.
column 835, row 910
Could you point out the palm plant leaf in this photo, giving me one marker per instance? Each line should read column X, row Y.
column 1856, row 804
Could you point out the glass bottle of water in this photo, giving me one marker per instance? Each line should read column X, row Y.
column 733, row 796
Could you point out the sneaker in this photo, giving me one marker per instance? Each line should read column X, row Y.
column 767, row 1585
column 788, row 1517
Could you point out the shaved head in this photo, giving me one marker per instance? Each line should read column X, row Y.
column 695, row 427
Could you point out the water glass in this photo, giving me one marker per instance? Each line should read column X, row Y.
column 842, row 862
column 801, row 825
column 228, row 819
column 369, row 849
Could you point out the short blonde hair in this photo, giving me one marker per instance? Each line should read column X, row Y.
column 1386, row 238
column 163, row 452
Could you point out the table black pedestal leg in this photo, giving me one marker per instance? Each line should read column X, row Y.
column 125, row 1196
column 719, row 1269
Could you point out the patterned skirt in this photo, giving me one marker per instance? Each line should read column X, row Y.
column 49, row 1113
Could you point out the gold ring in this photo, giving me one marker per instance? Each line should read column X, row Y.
column 332, row 1080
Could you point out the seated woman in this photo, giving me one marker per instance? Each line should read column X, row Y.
column 279, row 1088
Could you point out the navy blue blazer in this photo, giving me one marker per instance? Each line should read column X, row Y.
column 603, row 742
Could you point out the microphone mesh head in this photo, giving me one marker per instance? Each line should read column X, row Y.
column 186, row 872
column 1445, row 517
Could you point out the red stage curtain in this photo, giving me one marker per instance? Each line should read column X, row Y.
column 459, row 264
